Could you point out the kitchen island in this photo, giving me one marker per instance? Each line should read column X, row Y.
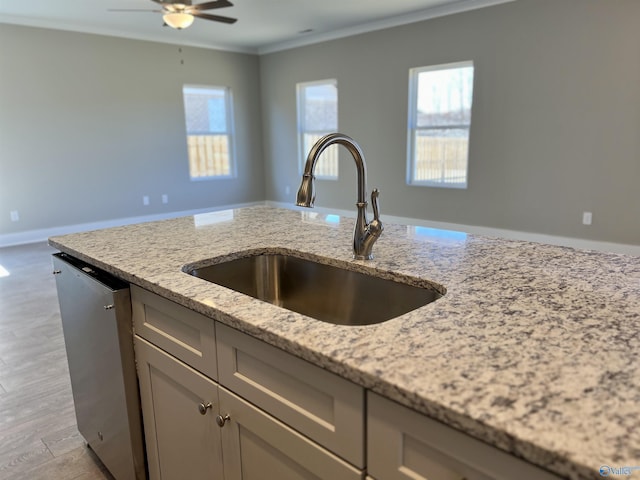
column 533, row 348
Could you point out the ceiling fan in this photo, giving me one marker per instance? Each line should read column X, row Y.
column 182, row 13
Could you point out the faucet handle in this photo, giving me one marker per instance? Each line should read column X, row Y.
column 374, row 204
column 375, row 227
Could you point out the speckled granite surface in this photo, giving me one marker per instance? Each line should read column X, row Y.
column 534, row 348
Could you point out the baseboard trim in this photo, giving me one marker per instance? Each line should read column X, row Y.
column 489, row 232
column 41, row 235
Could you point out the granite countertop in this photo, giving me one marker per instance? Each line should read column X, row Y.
column 533, row 349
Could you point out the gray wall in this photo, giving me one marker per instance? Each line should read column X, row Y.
column 556, row 116
column 89, row 124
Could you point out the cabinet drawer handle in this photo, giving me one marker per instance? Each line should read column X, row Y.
column 222, row 420
column 202, row 408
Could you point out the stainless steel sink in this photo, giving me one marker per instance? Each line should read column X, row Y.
column 324, row 292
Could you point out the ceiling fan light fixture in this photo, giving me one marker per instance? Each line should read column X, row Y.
column 178, row 20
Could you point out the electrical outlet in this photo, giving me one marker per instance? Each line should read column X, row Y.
column 14, row 215
column 587, row 217
column 287, row 190
column 165, row 198
column 145, row 200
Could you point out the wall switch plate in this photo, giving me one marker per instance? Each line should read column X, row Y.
column 14, row 215
column 587, row 217
column 165, row 198
column 145, row 200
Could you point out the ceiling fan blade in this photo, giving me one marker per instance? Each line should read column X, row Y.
column 215, row 18
column 166, row 4
column 131, row 10
column 212, row 5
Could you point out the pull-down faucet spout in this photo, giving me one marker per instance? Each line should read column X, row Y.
column 365, row 234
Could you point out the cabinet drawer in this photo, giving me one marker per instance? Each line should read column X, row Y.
column 183, row 333
column 405, row 445
column 324, row 407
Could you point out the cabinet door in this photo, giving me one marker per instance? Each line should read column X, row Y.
column 182, row 437
column 257, row 446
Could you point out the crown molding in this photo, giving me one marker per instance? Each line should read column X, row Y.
column 426, row 14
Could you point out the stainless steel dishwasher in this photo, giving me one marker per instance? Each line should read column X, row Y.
column 96, row 321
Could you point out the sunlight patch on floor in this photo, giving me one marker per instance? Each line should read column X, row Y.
column 3, row 272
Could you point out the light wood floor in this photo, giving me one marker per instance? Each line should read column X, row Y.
column 38, row 434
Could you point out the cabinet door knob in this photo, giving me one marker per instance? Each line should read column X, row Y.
column 202, row 408
column 220, row 420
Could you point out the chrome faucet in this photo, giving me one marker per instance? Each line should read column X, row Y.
column 365, row 234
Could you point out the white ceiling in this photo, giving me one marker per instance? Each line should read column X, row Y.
column 263, row 25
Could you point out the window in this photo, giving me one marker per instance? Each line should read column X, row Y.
column 440, row 100
column 209, row 132
column 318, row 116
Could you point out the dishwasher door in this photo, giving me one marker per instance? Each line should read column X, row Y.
column 96, row 321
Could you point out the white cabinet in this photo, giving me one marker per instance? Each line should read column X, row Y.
column 196, row 428
column 405, row 445
column 273, row 415
column 181, row 442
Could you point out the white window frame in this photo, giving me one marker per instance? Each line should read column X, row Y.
column 412, row 127
column 332, row 150
column 229, row 129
